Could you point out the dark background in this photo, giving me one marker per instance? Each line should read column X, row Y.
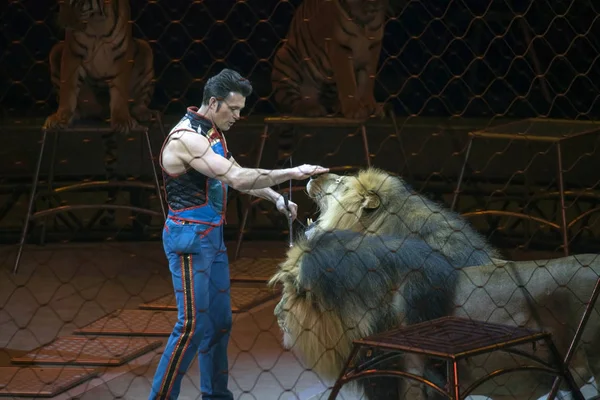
column 440, row 58
column 447, row 68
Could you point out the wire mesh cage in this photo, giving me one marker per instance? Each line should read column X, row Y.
column 462, row 147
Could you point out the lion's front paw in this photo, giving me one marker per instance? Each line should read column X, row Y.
column 59, row 120
column 123, row 122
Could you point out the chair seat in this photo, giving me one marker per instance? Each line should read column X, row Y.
column 451, row 338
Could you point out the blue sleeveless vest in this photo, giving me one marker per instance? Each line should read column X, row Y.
column 192, row 196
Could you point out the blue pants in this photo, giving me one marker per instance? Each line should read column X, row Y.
column 200, row 271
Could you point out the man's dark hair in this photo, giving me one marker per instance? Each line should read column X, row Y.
column 225, row 82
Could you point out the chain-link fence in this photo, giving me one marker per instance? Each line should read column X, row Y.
column 479, row 119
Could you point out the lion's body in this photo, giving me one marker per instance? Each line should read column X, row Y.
column 559, row 288
column 375, row 213
column 378, row 203
column 99, row 55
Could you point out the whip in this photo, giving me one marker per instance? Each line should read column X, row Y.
column 287, row 197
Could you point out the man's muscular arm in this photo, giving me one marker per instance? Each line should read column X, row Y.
column 289, row 208
column 265, row 193
column 195, row 151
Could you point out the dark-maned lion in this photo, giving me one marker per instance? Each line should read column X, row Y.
column 339, row 286
column 345, row 287
column 376, row 202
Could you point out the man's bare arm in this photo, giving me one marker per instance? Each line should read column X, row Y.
column 265, row 193
column 195, row 151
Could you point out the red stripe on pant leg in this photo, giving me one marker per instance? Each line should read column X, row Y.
column 191, row 317
column 189, row 325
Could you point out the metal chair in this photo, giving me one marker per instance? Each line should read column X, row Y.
column 67, row 208
column 453, row 339
column 555, row 134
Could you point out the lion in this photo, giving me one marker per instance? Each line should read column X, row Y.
column 342, row 285
column 374, row 212
column 375, row 202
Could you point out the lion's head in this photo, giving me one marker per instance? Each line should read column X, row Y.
column 362, row 202
column 318, row 336
column 318, row 316
column 376, row 202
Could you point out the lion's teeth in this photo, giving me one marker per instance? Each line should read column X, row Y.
column 309, row 221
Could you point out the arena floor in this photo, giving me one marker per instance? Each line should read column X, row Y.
column 62, row 288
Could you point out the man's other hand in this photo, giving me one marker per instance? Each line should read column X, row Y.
column 290, row 210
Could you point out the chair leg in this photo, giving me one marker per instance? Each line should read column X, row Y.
column 155, row 172
column 453, row 386
column 34, row 184
column 340, row 380
column 363, row 130
column 401, row 146
column 564, row 372
column 247, row 210
column 582, row 323
column 563, row 212
column 159, row 122
column 238, row 246
column 50, row 184
column 462, row 172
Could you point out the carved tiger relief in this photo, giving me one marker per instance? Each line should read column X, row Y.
column 99, row 53
column 328, row 62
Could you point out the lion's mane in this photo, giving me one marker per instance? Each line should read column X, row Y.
column 342, row 285
column 375, row 202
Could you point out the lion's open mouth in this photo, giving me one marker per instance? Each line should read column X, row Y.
column 312, row 189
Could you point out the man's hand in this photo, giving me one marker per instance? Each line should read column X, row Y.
column 307, row 170
column 291, row 210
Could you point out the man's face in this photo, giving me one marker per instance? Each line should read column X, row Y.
column 229, row 112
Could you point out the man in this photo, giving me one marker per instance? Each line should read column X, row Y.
column 198, row 170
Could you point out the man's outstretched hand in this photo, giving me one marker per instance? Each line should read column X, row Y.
column 307, row 170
